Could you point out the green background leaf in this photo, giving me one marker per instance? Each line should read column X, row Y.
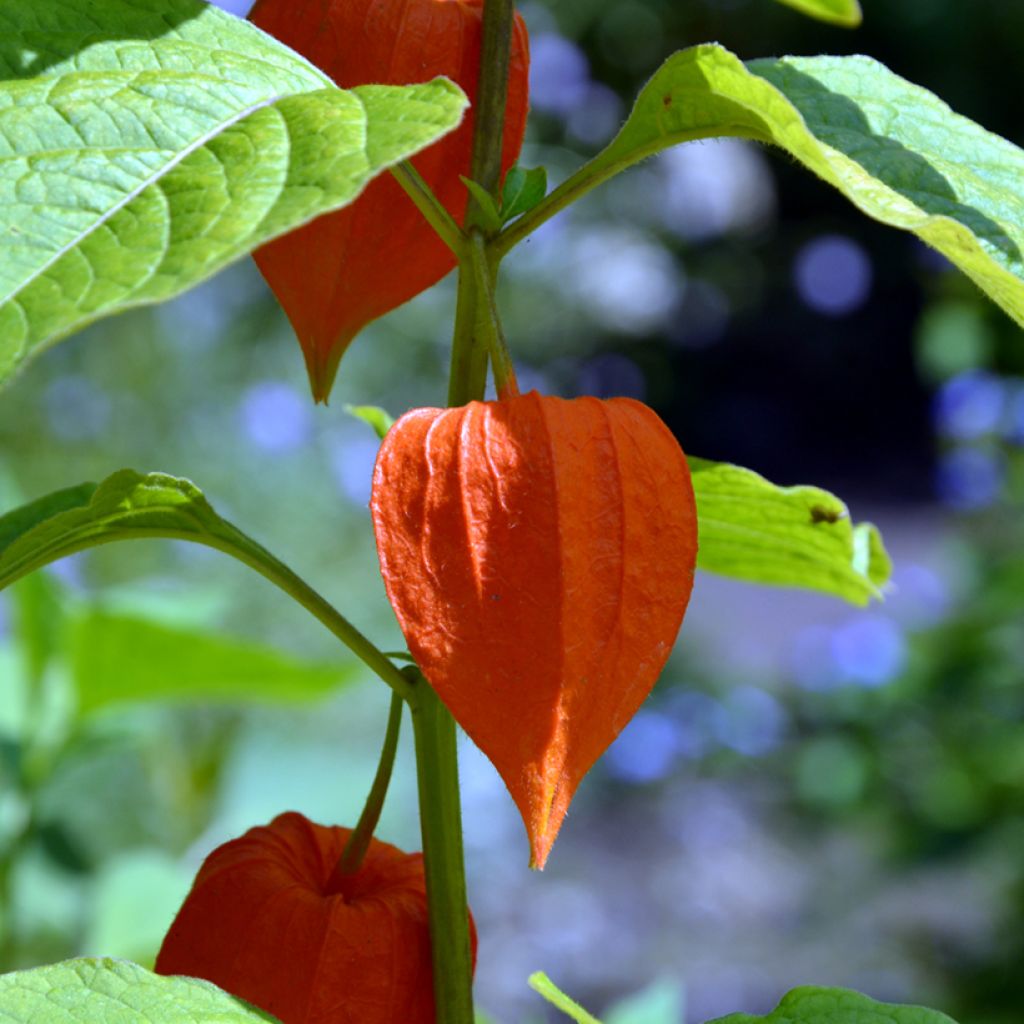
column 810, row 1005
column 838, row 12
column 894, row 149
column 116, row 992
column 117, row 658
column 787, row 536
column 147, row 146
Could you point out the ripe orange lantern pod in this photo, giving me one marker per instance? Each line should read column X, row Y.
column 343, row 270
column 269, row 921
column 539, row 554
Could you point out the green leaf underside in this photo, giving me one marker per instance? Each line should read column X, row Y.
column 116, row 992
column 524, row 189
column 125, row 506
column 785, row 536
column 811, row 1005
column 146, row 144
column 894, row 149
column 117, row 658
column 543, row 985
column 838, row 12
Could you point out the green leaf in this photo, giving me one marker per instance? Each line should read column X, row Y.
column 380, row 419
column 116, row 658
column 810, row 1005
column 116, row 992
column 894, row 149
column 541, row 983
column 125, row 506
column 524, row 189
column 146, row 146
column 128, row 506
column 786, row 536
column 839, row 12
column 484, row 199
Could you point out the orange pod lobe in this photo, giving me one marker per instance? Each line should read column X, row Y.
column 539, row 555
column 336, row 274
column 263, row 923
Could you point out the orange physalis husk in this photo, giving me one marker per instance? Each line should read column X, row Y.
column 263, row 923
column 343, row 270
column 539, row 554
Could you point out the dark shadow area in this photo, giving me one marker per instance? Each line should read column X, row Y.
column 37, row 34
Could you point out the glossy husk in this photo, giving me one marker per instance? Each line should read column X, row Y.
column 262, row 922
column 539, row 554
column 335, row 275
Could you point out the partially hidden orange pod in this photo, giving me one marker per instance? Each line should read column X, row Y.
column 539, row 554
column 264, row 922
column 336, row 274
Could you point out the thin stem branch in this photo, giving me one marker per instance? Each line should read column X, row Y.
column 488, row 320
column 430, row 206
column 351, row 859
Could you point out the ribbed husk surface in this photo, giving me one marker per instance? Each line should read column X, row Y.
column 261, row 923
column 539, row 554
column 343, row 270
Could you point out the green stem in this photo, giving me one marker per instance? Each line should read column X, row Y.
column 488, row 321
column 489, row 109
column 437, row 772
column 359, row 841
column 593, row 173
column 430, row 206
column 468, row 377
column 437, row 766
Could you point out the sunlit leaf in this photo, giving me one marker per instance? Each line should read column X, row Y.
column 787, row 536
column 125, row 506
column 839, row 12
column 145, row 146
column 810, row 1005
column 116, row 658
column 894, row 149
column 116, row 992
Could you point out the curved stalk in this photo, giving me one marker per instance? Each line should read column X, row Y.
column 430, row 206
column 351, row 859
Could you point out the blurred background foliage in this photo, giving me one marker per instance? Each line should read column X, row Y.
column 812, row 794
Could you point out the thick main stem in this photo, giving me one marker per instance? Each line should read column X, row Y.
column 437, row 770
column 437, row 766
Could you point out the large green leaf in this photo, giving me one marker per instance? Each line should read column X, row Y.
column 116, row 992
column 116, row 658
column 145, row 144
column 129, row 506
column 839, row 12
column 894, row 149
column 787, row 536
column 811, row 1005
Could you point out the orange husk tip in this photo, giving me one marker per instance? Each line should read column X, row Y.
column 336, row 274
column 269, row 921
column 539, row 555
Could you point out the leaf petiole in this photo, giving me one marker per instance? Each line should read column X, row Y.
column 359, row 841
